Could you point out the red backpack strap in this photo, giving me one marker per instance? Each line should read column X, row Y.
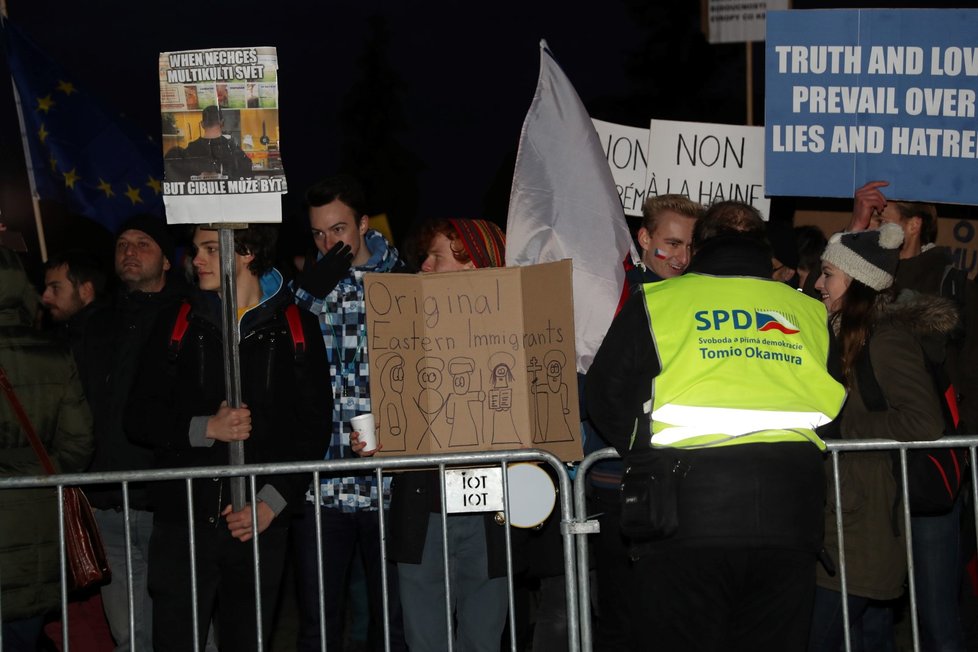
column 180, row 326
column 295, row 328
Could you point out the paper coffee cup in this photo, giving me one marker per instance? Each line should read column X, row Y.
column 364, row 424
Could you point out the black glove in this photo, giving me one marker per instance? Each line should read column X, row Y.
column 320, row 279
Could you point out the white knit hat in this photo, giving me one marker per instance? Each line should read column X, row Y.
column 870, row 257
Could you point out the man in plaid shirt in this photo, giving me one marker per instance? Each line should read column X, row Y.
column 331, row 287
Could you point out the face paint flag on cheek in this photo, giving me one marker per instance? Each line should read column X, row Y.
column 661, row 255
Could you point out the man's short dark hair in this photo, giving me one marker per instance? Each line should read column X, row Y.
column 81, row 267
column 258, row 240
column 210, row 116
column 728, row 218
column 928, row 218
column 342, row 187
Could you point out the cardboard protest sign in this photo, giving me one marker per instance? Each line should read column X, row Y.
column 737, row 21
column 707, row 162
column 961, row 238
column 474, row 360
column 856, row 96
column 626, row 149
column 221, row 153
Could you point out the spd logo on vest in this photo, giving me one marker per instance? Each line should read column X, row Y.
column 761, row 320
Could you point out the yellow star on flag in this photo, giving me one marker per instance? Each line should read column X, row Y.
column 154, row 183
column 105, row 187
column 42, row 133
column 66, row 87
column 71, row 178
column 54, row 163
column 133, row 195
column 45, row 103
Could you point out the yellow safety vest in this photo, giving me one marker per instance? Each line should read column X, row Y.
column 743, row 361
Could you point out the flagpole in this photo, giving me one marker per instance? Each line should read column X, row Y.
column 232, row 361
column 35, row 201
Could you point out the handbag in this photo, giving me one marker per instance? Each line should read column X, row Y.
column 650, row 494
column 84, row 550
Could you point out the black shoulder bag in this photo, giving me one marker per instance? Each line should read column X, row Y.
column 650, row 494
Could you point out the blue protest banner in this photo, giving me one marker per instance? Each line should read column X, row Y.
column 860, row 95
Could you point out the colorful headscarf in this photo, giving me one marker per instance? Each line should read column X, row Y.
column 483, row 240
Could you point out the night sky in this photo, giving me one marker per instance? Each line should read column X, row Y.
column 423, row 99
column 442, row 98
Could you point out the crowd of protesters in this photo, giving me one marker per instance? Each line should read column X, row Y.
column 135, row 381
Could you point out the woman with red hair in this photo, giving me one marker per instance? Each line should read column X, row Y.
column 476, row 543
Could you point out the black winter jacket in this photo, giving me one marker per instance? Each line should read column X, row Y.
column 108, row 358
column 289, row 397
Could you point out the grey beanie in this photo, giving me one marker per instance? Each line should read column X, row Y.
column 870, row 257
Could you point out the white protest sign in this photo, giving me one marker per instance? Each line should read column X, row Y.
column 474, row 490
column 221, row 154
column 707, row 162
column 532, row 496
column 626, row 149
column 737, row 21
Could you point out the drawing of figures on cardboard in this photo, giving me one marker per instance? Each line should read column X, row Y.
column 474, row 360
column 221, row 151
column 390, row 403
column 550, row 399
column 430, row 402
column 466, row 403
column 502, row 425
column 455, row 411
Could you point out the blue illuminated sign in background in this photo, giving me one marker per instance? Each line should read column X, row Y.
column 862, row 95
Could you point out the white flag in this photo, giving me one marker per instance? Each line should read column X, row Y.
column 564, row 205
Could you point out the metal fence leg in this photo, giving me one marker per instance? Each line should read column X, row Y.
column 510, row 593
column 583, row 572
column 450, row 631
column 842, row 550
column 192, row 542
column 65, row 645
column 318, row 518
column 130, row 598
column 914, row 623
column 256, row 568
column 571, row 579
column 385, row 597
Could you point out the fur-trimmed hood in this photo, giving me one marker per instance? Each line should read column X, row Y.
column 921, row 314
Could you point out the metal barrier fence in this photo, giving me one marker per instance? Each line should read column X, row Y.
column 576, row 524
column 586, row 524
column 316, row 469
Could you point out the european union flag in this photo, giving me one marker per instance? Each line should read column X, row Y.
column 79, row 153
